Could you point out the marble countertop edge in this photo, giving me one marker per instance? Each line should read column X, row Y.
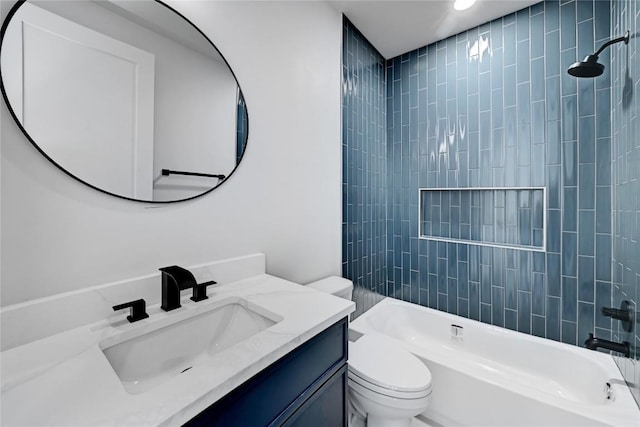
column 65, row 379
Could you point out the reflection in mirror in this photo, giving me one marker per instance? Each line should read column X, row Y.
column 113, row 92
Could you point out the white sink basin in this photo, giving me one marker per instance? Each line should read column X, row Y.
column 158, row 352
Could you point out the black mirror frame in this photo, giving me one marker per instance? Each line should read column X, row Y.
column 5, row 24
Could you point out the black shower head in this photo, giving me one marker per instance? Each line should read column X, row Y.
column 590, row 67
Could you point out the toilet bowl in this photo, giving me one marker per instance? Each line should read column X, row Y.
column 388, row 386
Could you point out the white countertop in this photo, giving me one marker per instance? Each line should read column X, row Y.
column 65, row 379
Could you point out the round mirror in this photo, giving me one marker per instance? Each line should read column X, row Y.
column 128, row 97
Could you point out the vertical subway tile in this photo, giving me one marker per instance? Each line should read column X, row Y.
column 570, row 163
column 602, row 18
column 586, row 97
column 511, row 319
column 553, row 142
column 538, row 118
column 587, row 142
column 569, row 332
column 463, row 307
column 586, row 274
column 537, row 35
column 568, row 83
column 603, row 161
column 585, row 36
column 497, row 109
column 552, row 53
column 569, row 118
column 497, row 66
column 603, row 209
column 553, row 318
column 524, row 272
column 511, row 289
column 452, row 295
column 524, row 103
column 484, row 81
column 603, row 293
column 510, row 116
column 586, row 235
column 603, row 257
column 538, row 164
column 485, row 313
column 509, row 46
column 497, row 305
column 523, row 61
column 569, row 298
column 524, row 312
column 433, row 291
column 570, row 208
column 538, row 294
column 587, row 186
column 552, row 16
column 509, row 86
column 567, row 25
column 569, row 254
column 584, row 11
column 539, row 262
column 538, row 9
column 538, row 326
column 443, row 302
column 585, row 320
column 522, row 23
column 474, row 301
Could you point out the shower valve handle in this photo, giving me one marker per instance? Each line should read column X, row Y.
column 615, row 313
column 623, row 314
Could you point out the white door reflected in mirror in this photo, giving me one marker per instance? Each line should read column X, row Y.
column 88, row 76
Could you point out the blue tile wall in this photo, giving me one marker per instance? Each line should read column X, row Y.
column 625, row 164
column 493, row 217
column 495, row 107
column 364, row 168
column 489, row 107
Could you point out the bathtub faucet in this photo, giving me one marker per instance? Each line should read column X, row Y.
column 594, row 343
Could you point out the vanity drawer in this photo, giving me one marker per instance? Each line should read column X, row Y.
column 326, row 407
column 275, row 394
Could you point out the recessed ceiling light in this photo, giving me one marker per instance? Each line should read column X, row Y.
column 463, row 4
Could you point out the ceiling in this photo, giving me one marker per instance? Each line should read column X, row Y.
column 398, row 26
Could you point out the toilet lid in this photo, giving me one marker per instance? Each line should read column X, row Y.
column 382, row 362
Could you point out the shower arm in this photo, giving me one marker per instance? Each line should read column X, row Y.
column 624, row 39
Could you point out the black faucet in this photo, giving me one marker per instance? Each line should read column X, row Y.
column 621, row 347
column 174, row 280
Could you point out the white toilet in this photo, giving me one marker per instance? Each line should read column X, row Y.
column 388, row 386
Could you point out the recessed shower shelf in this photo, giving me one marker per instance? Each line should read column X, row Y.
column 504, row 217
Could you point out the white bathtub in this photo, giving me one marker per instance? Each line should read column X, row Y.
column 491, row 376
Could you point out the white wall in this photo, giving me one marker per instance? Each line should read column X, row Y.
column 284, row 200
column 201, row 96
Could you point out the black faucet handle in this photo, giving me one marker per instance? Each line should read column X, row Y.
column 615, row 313
column 200, row 291
column 623, row 314
column 138, row 310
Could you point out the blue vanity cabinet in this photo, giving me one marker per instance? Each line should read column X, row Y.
column 307, row 387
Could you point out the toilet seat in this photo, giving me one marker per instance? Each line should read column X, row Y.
column 355, row 381
column 378, row 364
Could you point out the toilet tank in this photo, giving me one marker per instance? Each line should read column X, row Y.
column 334, row 285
